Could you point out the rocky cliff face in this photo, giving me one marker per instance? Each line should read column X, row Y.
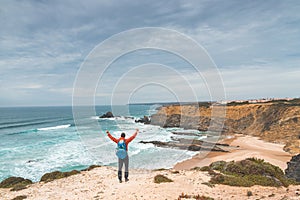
column 277, row 121
column 293, row 170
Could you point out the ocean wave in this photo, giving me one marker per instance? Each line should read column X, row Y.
column 41, row 129
column 110, row 119
column 95, row 117
column 119, row 118
column 54, row 127
column 24, row 132
column 22, row 125
column 18, row 124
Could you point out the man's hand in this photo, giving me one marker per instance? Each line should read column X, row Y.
column 137, row 130
column 107, row 132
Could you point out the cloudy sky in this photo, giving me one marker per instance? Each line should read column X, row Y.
column 254, row 44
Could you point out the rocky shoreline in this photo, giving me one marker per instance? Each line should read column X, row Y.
column 190, row 145
column 293, row 170
column 274, row 121
column 219, row 180
column 266, row 120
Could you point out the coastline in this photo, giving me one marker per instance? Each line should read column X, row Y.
column 102, row 183
column 247, row 146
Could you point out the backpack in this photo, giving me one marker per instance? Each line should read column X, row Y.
column 121, row 149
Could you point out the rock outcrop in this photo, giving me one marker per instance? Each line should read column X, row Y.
column 144, row 120
column 293, row 169
column 107, row 115
column 188, row 144
column 275, row 121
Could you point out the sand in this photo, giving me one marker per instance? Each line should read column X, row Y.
column 247, row 146
column 102, row 182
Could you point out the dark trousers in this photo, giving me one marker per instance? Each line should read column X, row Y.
column 121, row 162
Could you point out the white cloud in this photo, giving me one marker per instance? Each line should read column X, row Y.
column 28, row 86
column 258, row 82
column 42, row 44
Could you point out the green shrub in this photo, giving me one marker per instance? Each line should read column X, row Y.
column 91, row 167
column 196, row 197
column 16, row 183
column 196, row 168
column 18, row 187
column 256, row 160
column 249, row 172
column 218, row 165
column 159, row 169
column 21, row 197
column 161, row 179
column 57, row 175
column 208, row 184
column 203, row 169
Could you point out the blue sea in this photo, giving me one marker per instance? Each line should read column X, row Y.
column 37, row 140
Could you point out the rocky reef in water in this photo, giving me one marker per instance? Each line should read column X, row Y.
column 274, row 121
column 144, row 120
column 107, row 115
column 190, row 144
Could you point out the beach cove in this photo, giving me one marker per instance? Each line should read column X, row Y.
column 102, row 182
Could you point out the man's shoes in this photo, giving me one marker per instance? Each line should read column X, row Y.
column 120, row 180
column 126, row 180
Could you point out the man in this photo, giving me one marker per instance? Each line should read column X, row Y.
column 123, row 159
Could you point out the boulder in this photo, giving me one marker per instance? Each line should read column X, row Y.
column 293, row 169
column 144, row 120
column 16, row 183
column 196, row 146
column 107, row 115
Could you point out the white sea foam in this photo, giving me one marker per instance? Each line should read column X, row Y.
column 54, row 127
column 88, row 144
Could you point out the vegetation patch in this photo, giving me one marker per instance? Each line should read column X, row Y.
column 204, row 104
column 248, row 172
column 208, row 184
column 57, row 175
column 91, row 167
column 237, row 103
column 159, row 169
column 197, row 197
column 161, row 179
column 205, row 168
column 16, row 183
column 21, row 197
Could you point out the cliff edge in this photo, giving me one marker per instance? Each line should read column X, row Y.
column 274, row 121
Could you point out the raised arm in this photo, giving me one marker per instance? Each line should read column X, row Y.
column 133, row 136
column 111, row 137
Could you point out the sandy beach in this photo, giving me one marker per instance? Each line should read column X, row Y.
column 247, row 146
column 102, row 183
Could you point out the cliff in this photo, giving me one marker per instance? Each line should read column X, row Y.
column 275, row 121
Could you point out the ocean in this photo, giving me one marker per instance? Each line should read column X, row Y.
column 37, row 140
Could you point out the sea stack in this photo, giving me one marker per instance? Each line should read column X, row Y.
column 107, row 115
